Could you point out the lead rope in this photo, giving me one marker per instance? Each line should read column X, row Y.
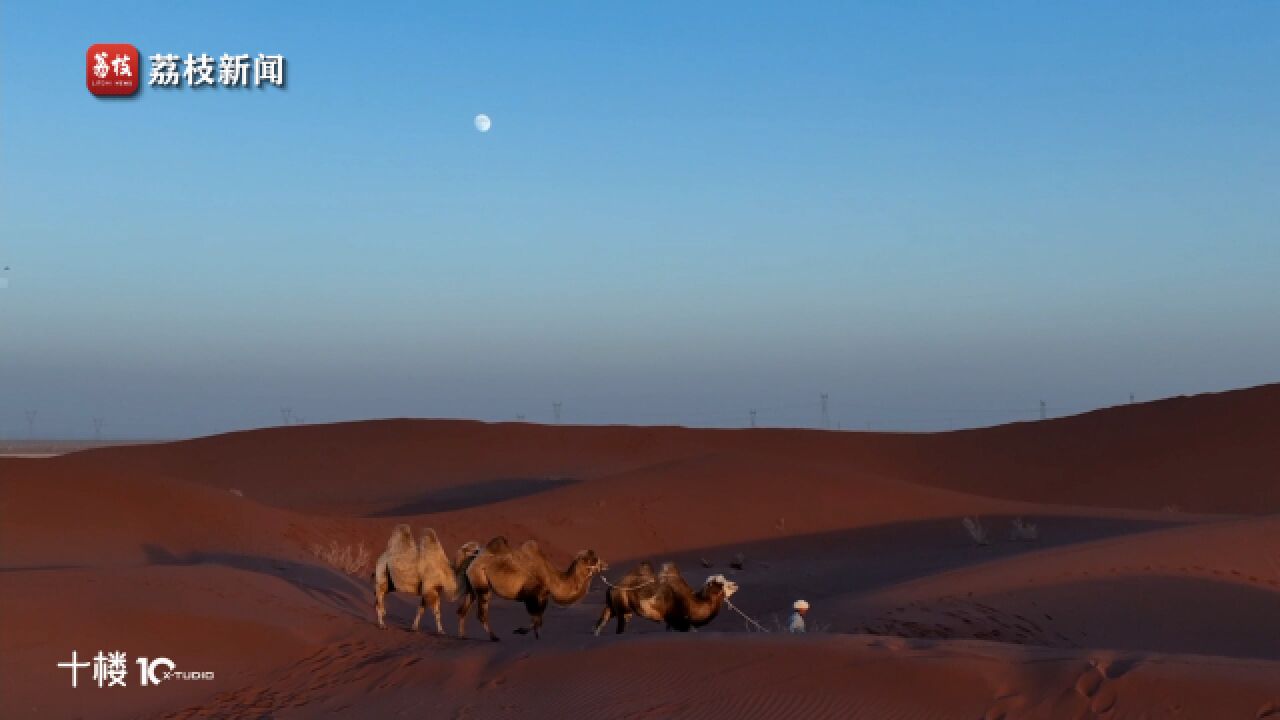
column 745, row 616
column 605, row 580
column 728, row 602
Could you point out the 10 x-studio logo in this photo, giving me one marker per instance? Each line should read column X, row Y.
column 111, row 669
column 111, row 69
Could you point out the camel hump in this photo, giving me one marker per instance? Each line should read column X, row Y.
column 642, row 573
column 669, row 570
column 429, row 545
column 498, row 545
column 531, row 547
column 401, row 539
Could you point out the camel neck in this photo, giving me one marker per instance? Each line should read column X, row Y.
column 702, row 610
column 569, row 586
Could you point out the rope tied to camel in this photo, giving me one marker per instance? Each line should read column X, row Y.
column 646, row 583
column 653, row 581
column 745, row 616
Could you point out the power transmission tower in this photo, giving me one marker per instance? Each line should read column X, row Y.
column 826, row 415
column 31, row 424
column 519, row 417
column 1130, row 398
column 97, row 429
column 752, row 412
column 286, row 414
column 555, row 409
column 1042, row 410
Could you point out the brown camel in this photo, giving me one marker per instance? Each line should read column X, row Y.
column 421, row 569
column 523, row 574
column 664, row 598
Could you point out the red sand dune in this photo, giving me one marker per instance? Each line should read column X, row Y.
column 1152, row 590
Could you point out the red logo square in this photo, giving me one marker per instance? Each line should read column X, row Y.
column 112, row 69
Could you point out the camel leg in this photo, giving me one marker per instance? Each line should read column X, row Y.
column 537, row 607
column 623, row 617
column 379, row 606
column 482, row 603
column 464, row 607
column 604, row 618
column 432, row 598
column 421, row 607
column 417, row 617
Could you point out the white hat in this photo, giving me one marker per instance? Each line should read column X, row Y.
column 800, row 605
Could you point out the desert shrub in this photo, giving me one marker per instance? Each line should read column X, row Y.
column 977, row 531
column 1020, row 529
column 350, row 559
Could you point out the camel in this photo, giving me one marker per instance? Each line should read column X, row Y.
column 665, row 598
column 422, row 569
column 523, row 574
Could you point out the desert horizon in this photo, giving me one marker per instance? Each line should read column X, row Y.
column 1120, row 563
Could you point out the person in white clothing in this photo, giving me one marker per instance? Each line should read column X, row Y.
column 797, row 618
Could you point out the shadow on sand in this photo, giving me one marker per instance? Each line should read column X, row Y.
column 485, row 492
column 825, row 565
column 321, row 583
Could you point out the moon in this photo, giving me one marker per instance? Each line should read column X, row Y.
column 483, row 123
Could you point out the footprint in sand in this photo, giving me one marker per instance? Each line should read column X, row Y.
column 1101, row 696
column 1004, row 704
column 1104, row 701
column 1268, row 710
column 1088, row 683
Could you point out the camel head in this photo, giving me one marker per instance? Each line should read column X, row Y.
column 590, row 561
column 720, row 584
column 463, row 557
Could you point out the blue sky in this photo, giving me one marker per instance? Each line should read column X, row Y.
column 937, row 214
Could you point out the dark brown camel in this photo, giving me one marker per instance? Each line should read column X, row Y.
column 665, row 598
